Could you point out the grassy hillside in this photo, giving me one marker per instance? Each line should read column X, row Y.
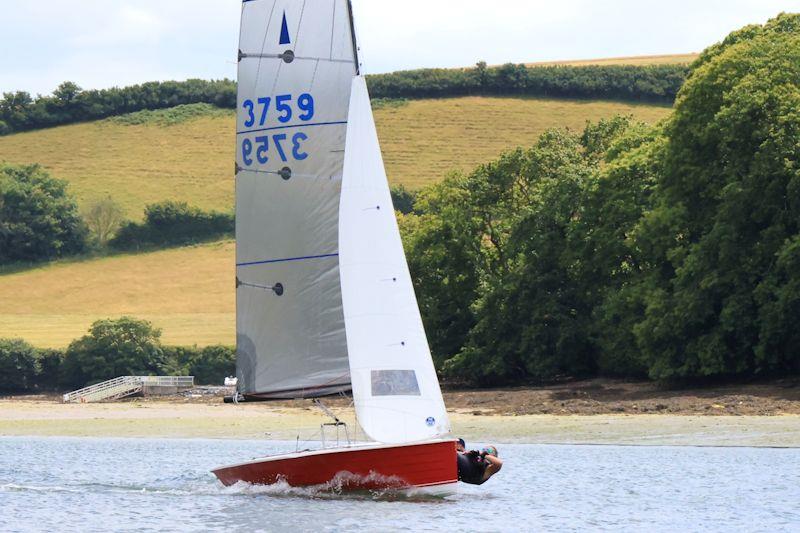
column 188, row 291
column 149, row 159
column 671, row 59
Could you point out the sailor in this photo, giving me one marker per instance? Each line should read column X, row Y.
column 476, row 467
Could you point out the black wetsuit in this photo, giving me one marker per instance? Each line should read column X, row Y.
column 471, row 468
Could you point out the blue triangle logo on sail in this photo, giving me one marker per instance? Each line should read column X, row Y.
column 285, row 39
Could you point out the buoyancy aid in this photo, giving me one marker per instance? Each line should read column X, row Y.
column 471, row 468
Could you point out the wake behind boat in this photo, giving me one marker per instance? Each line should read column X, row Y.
column 325, row 302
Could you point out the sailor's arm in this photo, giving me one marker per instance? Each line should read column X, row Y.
column 494, row 466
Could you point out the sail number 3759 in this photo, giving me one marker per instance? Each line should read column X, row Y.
column 286, row 107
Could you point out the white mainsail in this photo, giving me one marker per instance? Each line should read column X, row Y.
column 297, row 62
column 324, row 297
column 395, row 388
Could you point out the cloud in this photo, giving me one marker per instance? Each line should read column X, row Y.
column 126, row 25
column 101, row 43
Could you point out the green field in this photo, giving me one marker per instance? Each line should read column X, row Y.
column 137, row 164
column 189, row 291
column 669, row 59
column 186, row 291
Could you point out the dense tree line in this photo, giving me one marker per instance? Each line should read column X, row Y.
column 670, row 251
column 68, row 104
column 19, row 111
column 112, row 348
column 658, row 83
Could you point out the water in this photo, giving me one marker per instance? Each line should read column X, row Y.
column 51, row 484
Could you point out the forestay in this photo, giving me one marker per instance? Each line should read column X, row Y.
column 395, row 388
column 297, row 59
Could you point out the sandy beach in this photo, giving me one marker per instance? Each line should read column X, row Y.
column 596, row 411
column 167, row 419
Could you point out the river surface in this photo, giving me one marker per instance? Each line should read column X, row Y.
column 56, row 484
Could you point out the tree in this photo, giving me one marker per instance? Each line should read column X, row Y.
column 720, row 295
column 38, row 219
column 104, row 218
column 49, row 368
column 213, row 364
column 113, row 348
column 444, row 274
column 605, row 264
column 403, row 199
column 532, row 322
column 18, row 365
column 16, row 110
column 67, row 92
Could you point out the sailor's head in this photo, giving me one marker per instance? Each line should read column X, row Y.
column 461, row 445
column 490, row 450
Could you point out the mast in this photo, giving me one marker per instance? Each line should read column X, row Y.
column 355, row 39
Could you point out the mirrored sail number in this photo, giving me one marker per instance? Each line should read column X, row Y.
column 284, row 105
column 280, row 144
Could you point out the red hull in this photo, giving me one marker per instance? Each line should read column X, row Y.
column 372, row 467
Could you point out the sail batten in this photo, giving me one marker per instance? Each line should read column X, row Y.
column 294, row 126
column 289, row 260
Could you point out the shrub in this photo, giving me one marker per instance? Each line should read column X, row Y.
column 18, row 365
column 104, row 218
column 173, row 223
column 38, row 219
column 177, row 359
column 212, row 364
column 113, row 348
column 209, row 365
column 48, row 376
column 171, row 116
column 403, row 199
column 388, row 103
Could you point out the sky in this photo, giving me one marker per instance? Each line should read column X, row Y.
column 102, row 43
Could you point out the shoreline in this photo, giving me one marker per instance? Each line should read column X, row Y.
column 167, row 419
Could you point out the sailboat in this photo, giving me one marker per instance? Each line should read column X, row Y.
column 325, row 302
